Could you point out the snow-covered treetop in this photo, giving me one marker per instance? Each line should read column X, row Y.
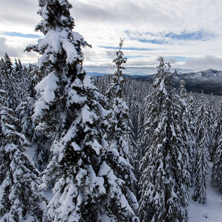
column 120, row 59
column 182, row 90
column 163, row 76
column 61, row 59
column 60, row 42
column 116, row 86
column 55, row 13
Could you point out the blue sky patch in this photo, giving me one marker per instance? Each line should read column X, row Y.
column 17, row 34
column 198, row 35
column 136, row 56
column 181, row 58
column 169, row 37
column 153, row 41
column 140, row 37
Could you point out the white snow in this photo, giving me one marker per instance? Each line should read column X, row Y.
column 88, row 82
column 48, row 194
column 209, row 212
column 71, row 52
column 30, row 152
column 47, row 87
column 87, row 115
column 75, row 146
column 74, row 97
column 77, row 36
column 104, row 170
column 96, row 146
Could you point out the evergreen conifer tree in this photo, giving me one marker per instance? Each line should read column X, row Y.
column 217, row 132
column 21, row 198
column 201, row 166
column 184, row 123
column 121, row 145
column 8, row 63
column 216, row 177
column 84, row 185
column 8, row 82
column 163, row 183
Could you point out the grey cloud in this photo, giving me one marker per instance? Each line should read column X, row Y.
column 204, row 63
column 89, row 53
column 123, row 12
column 140, row 63
column 171, row 60
column 5, row 48
column 111, row 54
column 23, row 12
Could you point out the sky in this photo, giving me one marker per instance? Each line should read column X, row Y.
column 187, row 33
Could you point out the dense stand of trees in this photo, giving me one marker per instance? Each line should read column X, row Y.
column 109, row 149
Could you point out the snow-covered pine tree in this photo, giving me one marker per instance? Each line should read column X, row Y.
column 17, row 70
column 20, row 196
column 163, row 188
column 8, row 82
column 209, row 119
column 8, row 63
column 40, row 140
column 217, row 132
column 24, row 112
column 192, row 116
column 202, row 158
column 121, row 146
column 181, row 105
column 216, row 177
column 85, row 186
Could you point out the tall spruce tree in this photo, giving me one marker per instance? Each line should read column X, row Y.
column 217, row 132
column 163, row 188
column 121, row 145
column 8, row 82
column 209, row 125
column 20, row 197
column 216, row 177
column 202, row 157
column 181, row 105
column 85, row 187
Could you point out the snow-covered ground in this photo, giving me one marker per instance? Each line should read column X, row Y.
column 209, row 212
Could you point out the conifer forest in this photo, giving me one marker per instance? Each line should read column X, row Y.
column 77, row 148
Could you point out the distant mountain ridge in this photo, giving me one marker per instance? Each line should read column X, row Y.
column 208, row 81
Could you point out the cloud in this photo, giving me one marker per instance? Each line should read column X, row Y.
column 123, row 12
column 127, row 48
column 204, row 63
column 18, row 16
column 162, row 38
column 111, row 54
column 169, row 28
column 154, row 16
column 5, row 48
column 197, row 35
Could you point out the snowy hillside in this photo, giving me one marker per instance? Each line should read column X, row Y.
column 208, row 81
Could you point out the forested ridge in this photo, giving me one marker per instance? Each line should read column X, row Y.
column 107, row 149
